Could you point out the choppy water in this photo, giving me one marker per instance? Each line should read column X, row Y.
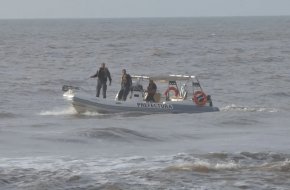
column 243, row 63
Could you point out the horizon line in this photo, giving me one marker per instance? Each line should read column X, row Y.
column 145, row 17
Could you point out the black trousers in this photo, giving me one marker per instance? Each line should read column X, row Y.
column 123, row 93
column 103, row 85
column 150, row 98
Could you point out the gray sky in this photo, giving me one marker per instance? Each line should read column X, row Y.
column 140, row 8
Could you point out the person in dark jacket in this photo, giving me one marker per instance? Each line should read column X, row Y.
column 126, row 83
column 103, row 73
column 151, row 90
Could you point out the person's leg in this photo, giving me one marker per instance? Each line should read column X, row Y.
column 149, row 98
column 125, row 94
column 152, row 99
column 120, row 94
column 99, row 86
column 104, row 89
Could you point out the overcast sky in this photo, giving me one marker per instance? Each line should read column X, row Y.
column 140, row 8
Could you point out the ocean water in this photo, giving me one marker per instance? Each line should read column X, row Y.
column 243, row 62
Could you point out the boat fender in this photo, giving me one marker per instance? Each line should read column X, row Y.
column 172, row 88
column 199, row 98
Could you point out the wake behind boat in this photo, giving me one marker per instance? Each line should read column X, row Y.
column 183, row 94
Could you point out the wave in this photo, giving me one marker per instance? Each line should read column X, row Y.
column 161, row 53
column 282, row 166
column 203, row 166
column 215, row 162
column 234, row 107
column 68, row 111
column 207, row 170
column 274, row 59
column 281, row 94
column 115, row 134
column 71, row 111
column 91, row 114
column 7, row 115
column 59, row 111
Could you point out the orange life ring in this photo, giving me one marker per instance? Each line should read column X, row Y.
column 172, row 88
column 200, row 98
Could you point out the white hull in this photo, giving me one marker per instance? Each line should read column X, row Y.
column 111, row 106
column 179, row 102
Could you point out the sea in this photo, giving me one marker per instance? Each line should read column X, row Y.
column 242, row 62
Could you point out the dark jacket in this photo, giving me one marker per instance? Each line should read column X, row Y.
column 151, row 88
column 126, row 81
column 103, row 74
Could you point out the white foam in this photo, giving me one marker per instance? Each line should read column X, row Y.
column 205, row 166
column 234, row 107
column 88, row 113
column 59, row 111
column 226, row 166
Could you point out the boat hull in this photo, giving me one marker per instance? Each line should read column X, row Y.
column 99, row 105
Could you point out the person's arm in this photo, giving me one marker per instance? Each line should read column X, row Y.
column 130, row 80
column 154, row 88
column 95, row 75
column 109, row 76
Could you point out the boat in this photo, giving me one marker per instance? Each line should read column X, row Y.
column 182, row 94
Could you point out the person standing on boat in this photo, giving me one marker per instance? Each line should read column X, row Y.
column 151, row 90
column 126, row 83
column 103, row 73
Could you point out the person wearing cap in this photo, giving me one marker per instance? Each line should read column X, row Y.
column 126, row 83
column 103, row 73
